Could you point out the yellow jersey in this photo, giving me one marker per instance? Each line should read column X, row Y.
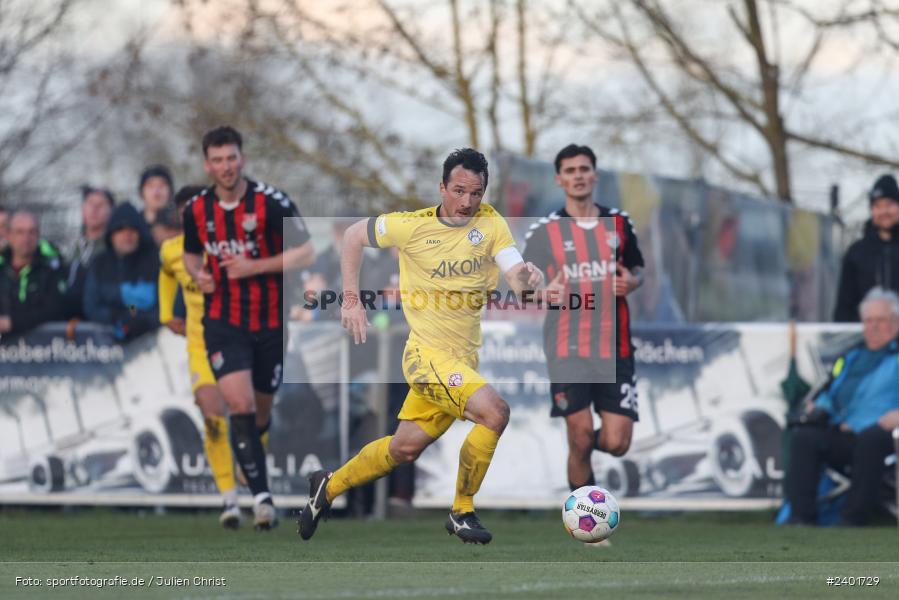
column 173, row 273
column 447, row 272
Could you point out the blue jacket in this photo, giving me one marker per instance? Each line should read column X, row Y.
column 121, row 290
column 877, row 394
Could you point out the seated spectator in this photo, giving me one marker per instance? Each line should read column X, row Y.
column 32, row 285
column 155, row 190
column 120, row 289
column 96, row 208
column 848, row 424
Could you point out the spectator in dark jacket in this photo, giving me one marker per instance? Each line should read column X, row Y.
column 96, row 208
column 32, row 284
column 873, row 260
column 120, row 289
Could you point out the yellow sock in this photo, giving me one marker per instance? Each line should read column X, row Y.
column 474, row 459
column 264, row 439
column 372, row 462
column 218, row 453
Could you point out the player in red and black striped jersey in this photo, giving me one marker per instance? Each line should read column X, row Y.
column 234, row 236
column 580, row 247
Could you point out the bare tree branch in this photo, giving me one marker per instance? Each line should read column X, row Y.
column 495, row 80
column 769, row 78
column 439, row 71
column 525, row 105
column 26, row 40
column 868, row 157
column 685, row 123
column 463, row 83
column 686, row 56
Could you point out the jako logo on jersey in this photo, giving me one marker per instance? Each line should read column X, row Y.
column 237, row 247
column 210, row 226
column 594, row 270
column 432, row 242
column 569, row 245
column 475, row 236
column 451, row 268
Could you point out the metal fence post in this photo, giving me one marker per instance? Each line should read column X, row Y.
column 344, row 398
column 896, row 466
column 382, row 408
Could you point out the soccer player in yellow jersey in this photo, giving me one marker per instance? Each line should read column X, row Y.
column 450, row 256
column 215, row 440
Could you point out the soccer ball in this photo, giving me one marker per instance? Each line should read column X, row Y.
column 590, row 514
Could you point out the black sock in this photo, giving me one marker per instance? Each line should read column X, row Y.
column 590, row 481
column 248, row 449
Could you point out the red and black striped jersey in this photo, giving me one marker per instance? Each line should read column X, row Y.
column 588, row 254
column 254, row 227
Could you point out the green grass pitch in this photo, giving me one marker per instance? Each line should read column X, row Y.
column 674, row 556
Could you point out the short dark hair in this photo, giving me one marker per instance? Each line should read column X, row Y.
column 469, row 158
column 186, row 193
column 169, row 217
column 572, row 150
column 87, row 190
column 156, row 171
column 222, row 136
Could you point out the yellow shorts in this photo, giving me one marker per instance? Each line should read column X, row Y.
column 440, row 384
column 198, row 363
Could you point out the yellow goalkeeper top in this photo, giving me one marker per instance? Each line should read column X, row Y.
column 173, row 273
column 447, row 272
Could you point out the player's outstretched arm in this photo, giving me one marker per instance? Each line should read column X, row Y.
column 352, row 313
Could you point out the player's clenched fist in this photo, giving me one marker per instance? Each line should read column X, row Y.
column 238, row 266
column 625, row 281
column 205, row 281
column 353, row 317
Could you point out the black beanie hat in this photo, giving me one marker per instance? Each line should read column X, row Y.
column 884, row 187
column 156, row 171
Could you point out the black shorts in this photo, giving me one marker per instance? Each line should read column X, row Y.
column 230, row 349
column 619, row 397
